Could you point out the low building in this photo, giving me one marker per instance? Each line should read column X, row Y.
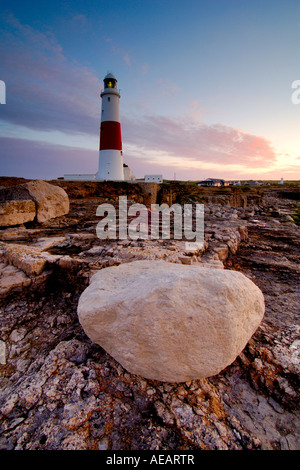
column 128, row 175
column 213, row 182
column 153, row 178
column 253, row 183
column 80, row 177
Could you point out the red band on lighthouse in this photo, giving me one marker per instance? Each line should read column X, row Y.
column 110, row 136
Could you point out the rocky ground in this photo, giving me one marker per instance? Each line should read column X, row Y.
column 60, row 391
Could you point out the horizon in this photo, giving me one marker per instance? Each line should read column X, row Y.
column 206, row 92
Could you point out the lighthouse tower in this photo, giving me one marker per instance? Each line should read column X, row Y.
column 110, row 150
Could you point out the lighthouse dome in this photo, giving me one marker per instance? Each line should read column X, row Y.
column 110, row 75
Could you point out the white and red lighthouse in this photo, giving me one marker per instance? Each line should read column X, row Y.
column 110, row 149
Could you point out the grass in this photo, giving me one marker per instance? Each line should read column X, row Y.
column 296, row 216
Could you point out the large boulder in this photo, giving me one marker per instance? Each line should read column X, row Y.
column 16, row 206
column 33, row 200
column 171, row 322
column 17, row 212
column 51, row 201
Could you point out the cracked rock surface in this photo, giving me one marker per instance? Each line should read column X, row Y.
column 59, row 390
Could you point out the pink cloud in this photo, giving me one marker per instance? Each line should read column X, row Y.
column 167, row 87
column 187, row 139
column 127, row 60
column 193, row 111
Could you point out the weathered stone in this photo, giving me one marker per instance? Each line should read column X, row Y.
column 168, row 321
column 12, row 278
column 52, row 201
column 222, row 251
column 36, row 199
column 16, row 212
column 31, row 261
column 251, row 405
column 186, row 259
column 46, row 243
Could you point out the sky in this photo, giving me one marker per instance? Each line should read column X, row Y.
column 206, row 86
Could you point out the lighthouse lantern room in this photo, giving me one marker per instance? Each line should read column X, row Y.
column 110, row 149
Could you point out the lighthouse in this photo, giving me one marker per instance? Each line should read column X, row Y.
column 110, row 149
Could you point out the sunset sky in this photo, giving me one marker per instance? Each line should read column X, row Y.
column 206, row 86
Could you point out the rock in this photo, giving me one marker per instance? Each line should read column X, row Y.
column 16, row 212
column 186, row 259
column 45, row 243
column 52, row 201
column 47, row 384
column 36, row 199
column 222, row 251
column 212, row 263
column 12, row 278
column 95, row 250
column 171, row 322
column 32, row 261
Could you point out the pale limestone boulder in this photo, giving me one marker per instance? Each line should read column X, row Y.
column 16, row 206
column 171, row 322
column 51, row 201
column 16, row 212
column 33, row 200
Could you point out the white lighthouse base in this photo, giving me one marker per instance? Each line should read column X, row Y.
column 110, row 166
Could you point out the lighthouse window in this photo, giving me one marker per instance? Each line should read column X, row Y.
column 108, row 99
column 110, row 83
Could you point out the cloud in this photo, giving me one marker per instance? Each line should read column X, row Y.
column 119, row 51
column 167, row 87
column 193, row 111
column 45, row 90
column 127, row 60
column 32, row 159
column 79, row 21
column 186, row 140
column 144, row 69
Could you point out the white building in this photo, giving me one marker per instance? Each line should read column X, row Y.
column 153, row 178
column 128, row 175
column 213, row 182
column 80, row 177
